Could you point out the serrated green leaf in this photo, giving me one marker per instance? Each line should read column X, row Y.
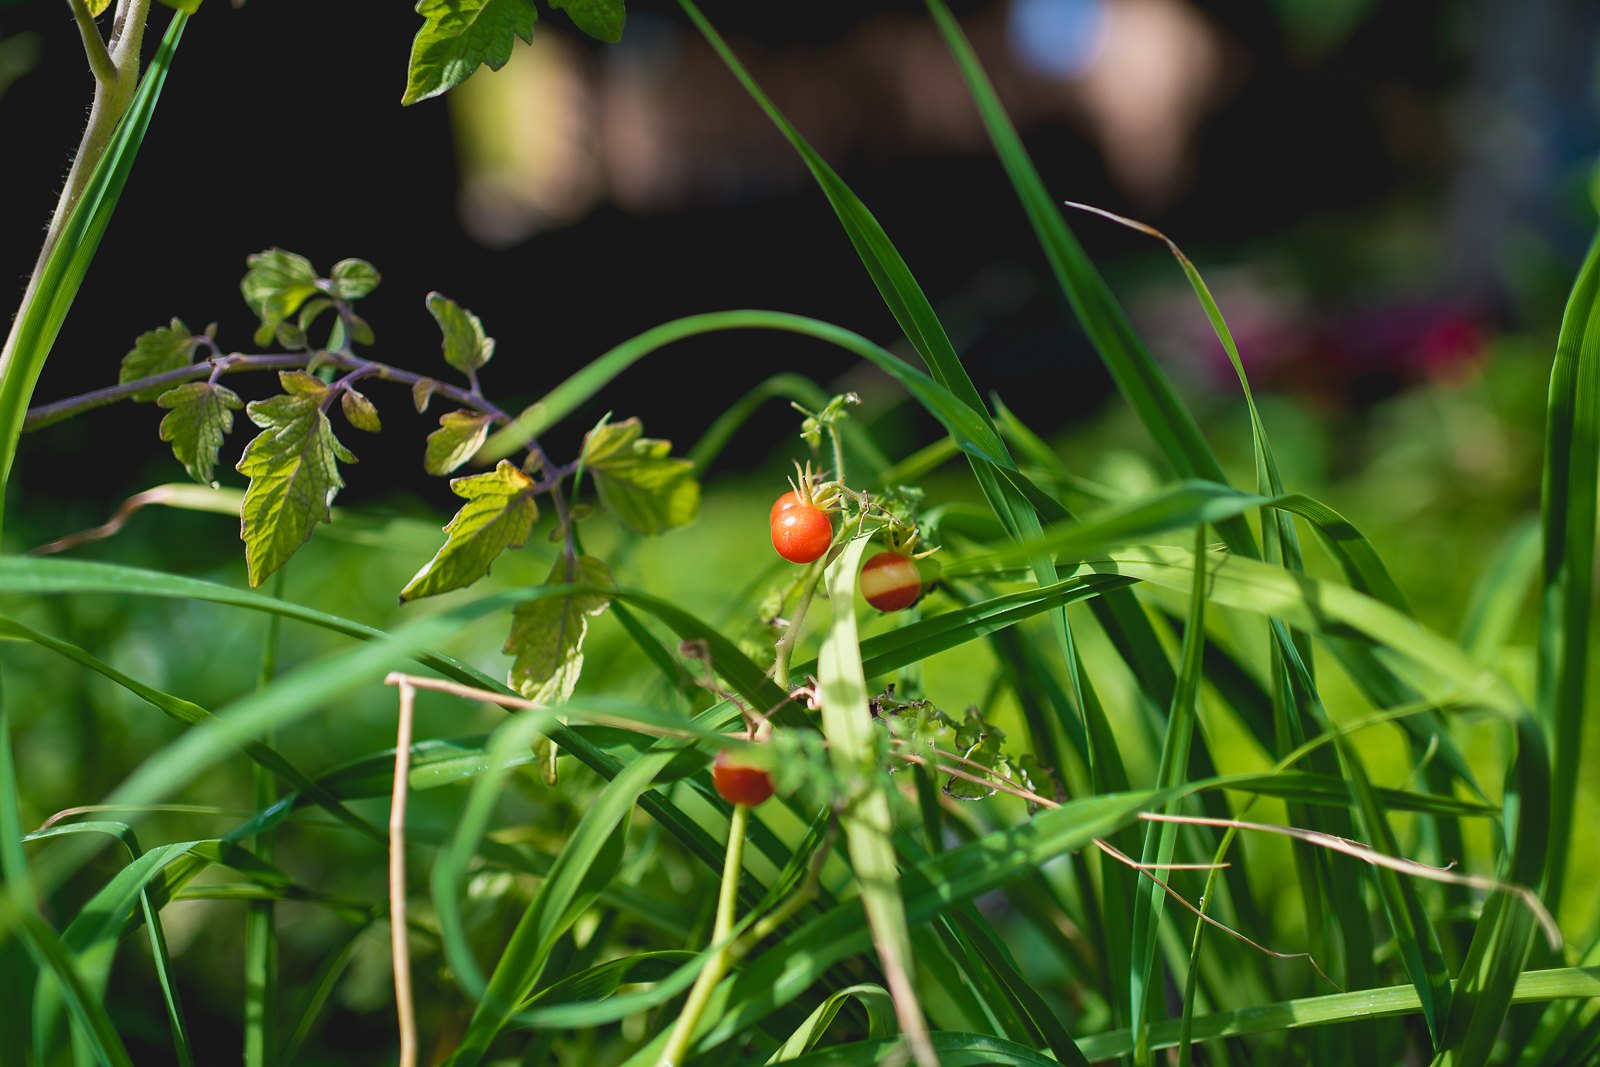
column 275, row 285
column 360, row 411
column 199, row 415
column 294, row 474
column 466, row 346
column 458, row 438
column 547, row 635
column 499, row 514
column 458, row 36
column 299, row 383
column 353, row 279
column 600, row 19
column 156, row 352
column 639, row 480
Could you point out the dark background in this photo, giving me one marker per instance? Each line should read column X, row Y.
column 281, row 125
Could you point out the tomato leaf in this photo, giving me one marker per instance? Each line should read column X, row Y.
column 600, row 19
column 547, row 634
column 361, row 412
column 466, row 346
column 275, row 284
column 458, row 36
column 156, row 352
column 199, row 415
column 638, row 480
column 353, row 279
column 458, row 438
column 294, row 474
column 499, row 514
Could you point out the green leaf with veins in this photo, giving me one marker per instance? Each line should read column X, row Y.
column 639, row 481
column 359, row 411
column 275, row 285
column 458, row 438
column 466, row 346
column 294, row 474
column 199, row 415
column 499, row 514
column 156, row 352
column 353, row 279
column 600, row 19
column 299, row 383
column 458, row 36
column 547, row 634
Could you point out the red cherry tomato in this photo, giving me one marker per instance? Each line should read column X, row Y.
column 740, row 785
column 891, row 581
column 788, row 500
column 802, row 533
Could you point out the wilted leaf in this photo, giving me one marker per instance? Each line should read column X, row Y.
column 547, row 635
column 156, row 352
column 458, row 438
column 361, row 412
column 275, row 285
column 353, row 279
column 199, row 415
column 466, row 347
column 457, row 36
column 499, row 514
column 639, row 480
column 600, row 19
column 294, row 474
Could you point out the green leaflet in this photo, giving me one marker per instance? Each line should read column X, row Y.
column 155, row 352
column 600, row 19
column 499, row 514
column 359, row 411
column 199, row 415
column 353, row 279
column 458, row 438
column 275, row 284
column 547, row 634
column 639, row 481
column 459, row 36
column 294, row 474
column 466, row 346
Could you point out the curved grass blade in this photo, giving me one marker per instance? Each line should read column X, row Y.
column 880, row 1015
column 858, row 444
column 48, row 954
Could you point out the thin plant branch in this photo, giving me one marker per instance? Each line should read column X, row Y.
column 397, row 880
column 94, row 46
column 1368, row 854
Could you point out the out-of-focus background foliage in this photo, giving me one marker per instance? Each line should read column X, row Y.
column 1389, row 201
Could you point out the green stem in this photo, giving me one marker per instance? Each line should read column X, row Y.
column 785, row 647
column 677, row 1050
column 261, row 935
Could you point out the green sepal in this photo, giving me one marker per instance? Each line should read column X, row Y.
column 458, row 36
column 499, row 514
column 156, row 352
column 547, row 634
column 359, row 411
column 639, row 481
column 293, row 467
column 600, row 19
column 458, row 438
column 199, row 415
column 353, row 279
column 466, row 346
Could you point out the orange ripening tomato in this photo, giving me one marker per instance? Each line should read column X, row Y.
column 802, row 534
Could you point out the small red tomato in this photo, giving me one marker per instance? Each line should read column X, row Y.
column 740, row 785
column 802, row 533
column 891, row 581
column 784, row 503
